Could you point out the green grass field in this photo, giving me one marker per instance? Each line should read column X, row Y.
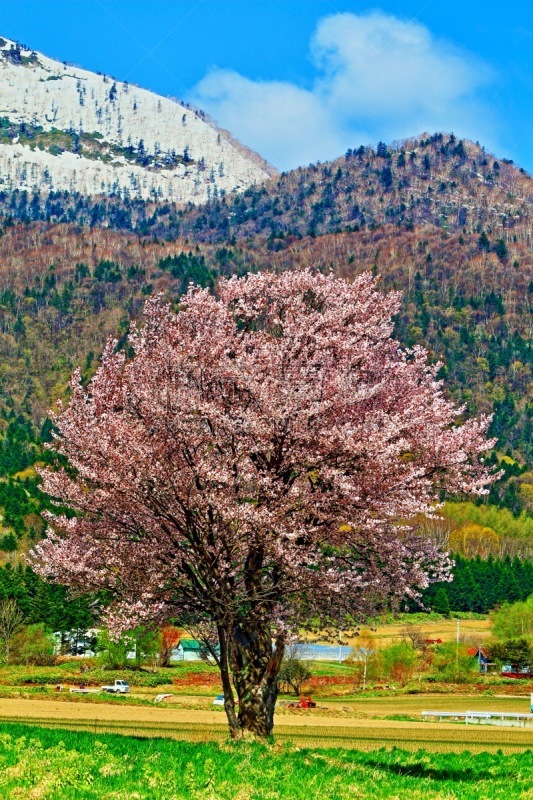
column 58, row 746
column 42, row 764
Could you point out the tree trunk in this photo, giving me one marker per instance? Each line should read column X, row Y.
column 254, row 666
column 225, row 672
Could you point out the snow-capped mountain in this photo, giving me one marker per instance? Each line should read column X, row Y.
column 68, row 129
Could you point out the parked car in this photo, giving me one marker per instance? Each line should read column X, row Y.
column 219, row 700
column 118, row 687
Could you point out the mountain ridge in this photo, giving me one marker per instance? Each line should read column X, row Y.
column 436, row 179
column 64, row 128
column 439, row 179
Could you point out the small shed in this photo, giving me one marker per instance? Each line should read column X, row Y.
column 480, row 655
column 187, row 650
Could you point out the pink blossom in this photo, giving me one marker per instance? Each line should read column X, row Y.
column 252, row 461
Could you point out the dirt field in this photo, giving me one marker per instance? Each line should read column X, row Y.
column 471, row 631
column 362, row 723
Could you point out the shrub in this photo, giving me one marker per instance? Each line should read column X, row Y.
column 35, row 645
column 293, row 674
column 453, row 664
column 399, row 661
column 111, row 654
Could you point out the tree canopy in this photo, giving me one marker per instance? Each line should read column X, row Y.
column 247, row 465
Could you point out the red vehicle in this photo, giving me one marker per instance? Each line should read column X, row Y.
column 303, row 702
column 519, row 674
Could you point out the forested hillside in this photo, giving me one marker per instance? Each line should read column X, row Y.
column 454, row 185
column 466, row 278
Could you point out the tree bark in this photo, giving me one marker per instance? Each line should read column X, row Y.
column 225, row 673
column 254, row 665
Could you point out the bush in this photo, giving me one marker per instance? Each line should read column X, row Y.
column 111, row 654
column 293, row 674
column 513, row 621
column 35, row 645
column 453, row 664
column 399, row 662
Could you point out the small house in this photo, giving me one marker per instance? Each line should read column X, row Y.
column 187, row 650
column 480, row 655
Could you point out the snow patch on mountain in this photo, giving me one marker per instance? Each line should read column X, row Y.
column 159, row 148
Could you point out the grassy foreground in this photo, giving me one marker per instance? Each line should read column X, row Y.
column 45, row 764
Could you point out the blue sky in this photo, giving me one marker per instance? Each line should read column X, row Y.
column 302, row 81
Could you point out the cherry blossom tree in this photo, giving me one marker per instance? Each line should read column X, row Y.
column 246, row 468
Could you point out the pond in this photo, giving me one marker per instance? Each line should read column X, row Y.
column 323, row 652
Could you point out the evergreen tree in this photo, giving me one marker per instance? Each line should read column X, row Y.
column 441, row 604
column 382, row 150
column 483, row 242
column 500, row 248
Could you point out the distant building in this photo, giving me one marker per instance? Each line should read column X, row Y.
column 75, row 643
column 187, row 650
column 480, row 655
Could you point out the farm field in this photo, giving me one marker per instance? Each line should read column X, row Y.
column 470, row 631
column 363, row 724
column 47, row 764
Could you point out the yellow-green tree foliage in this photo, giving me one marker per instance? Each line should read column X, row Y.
column 513, row 621
column 473, row 540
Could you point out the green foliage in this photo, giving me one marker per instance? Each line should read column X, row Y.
column 453, row 664
column 143, row 642
column 500, row 248
column 293, row 674
column 514, row 620
column 480, row 585
column 18, row 447
column 81, row 766
column 398, row 662
column 42, row 602
column 107, row 271
column 34, row 644
column 484, row 242
column 501, row 520
column 441, row 604
column 147, row 644
column 516, row 652
column 8, row 543
column 113, row 654
column 188, row 268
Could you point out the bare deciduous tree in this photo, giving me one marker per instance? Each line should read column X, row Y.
column 11, row 619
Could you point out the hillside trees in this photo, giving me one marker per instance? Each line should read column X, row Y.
column 480, row 585
column 10, row 621
column 245, row 466
column 514, row 620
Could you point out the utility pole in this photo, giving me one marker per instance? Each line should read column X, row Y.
column 457, row 646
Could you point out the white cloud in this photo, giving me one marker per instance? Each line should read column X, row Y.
column 377, row 77
column 281, row 121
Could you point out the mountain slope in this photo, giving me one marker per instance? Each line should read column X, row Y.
column 438, row 180
column 64, row 289
column 466, row 278
column 434, row 179
column 68, row 129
